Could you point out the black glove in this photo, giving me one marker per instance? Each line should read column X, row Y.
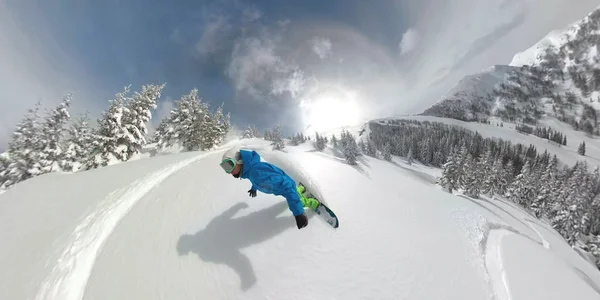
column 301, row 220
column 252, row 193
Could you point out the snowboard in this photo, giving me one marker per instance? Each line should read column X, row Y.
column 323, row 211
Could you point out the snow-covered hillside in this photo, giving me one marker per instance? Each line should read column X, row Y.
column 559, row 77
column 566, row 154
column 177, row 227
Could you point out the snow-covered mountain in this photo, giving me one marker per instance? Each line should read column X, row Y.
column 471, row 99
column 177, row 227
column 559, row 77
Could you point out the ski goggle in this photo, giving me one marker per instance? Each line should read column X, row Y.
column 228, row 165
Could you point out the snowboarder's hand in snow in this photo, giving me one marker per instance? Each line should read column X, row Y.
column 252, row 193
column 301, row 220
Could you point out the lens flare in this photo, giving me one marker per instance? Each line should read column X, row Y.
column 330, row 109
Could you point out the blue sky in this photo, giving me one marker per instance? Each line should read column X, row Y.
column 267, row 61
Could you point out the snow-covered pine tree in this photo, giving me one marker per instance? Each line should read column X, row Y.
column 183, row 125
column 191, row 125
column 218, row 126
column 24, row 148
column 349, row 147
column 52, row 154
column 165, row 134
column 462, row 179
column 139, row 109
column 594, row 212
column 334, row 141
column 276, row 140
column 319, row 142
column 251, row 132
column 362, row 146
column 569, row 217
column 5, row 162
column 386, row 152
column 450, row 172
column 438, row 158
column 496, row 183
column 371, row 148
column 581, row 149
column 485, row 168
column 587, row 201
column 548, row 187
column 268, row 136
column 78, row 143
column 473, row 176
column 522, row 190
column 95, row 157
column 509, row 173
column 295, row 140
column 202, row 123
column 409, row 157
column 426, row 154
column 113, row 138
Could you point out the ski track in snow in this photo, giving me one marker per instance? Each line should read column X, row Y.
column 489, row 235
column 494, row 265
column 545, row 243
column 69, row 277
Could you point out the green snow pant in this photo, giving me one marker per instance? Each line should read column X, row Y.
column 309, row 202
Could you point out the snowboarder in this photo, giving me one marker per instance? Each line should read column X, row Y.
column 269, row 179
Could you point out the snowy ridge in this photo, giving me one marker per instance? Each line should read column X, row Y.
column 69, row 276
column 535, row 54
column 555, row 39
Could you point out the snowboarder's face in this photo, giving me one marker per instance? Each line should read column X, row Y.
column 237, row 171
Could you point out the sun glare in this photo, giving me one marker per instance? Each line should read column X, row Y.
column 330, row 110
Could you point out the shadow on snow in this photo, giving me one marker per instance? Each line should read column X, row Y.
column 220, row 242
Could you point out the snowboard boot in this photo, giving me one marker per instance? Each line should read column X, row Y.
column 307, row 199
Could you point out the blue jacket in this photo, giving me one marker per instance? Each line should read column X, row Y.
column 269, row 179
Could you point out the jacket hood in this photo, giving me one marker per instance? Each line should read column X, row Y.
column 249, row 159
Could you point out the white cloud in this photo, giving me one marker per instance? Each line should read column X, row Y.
column 256, row 68
column 215, row 31
column 293, row 83
column 409, row 41
column 251, row 14
column 322, row 47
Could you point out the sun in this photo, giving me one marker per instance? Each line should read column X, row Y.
column 331, row 109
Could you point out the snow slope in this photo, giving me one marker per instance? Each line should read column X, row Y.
column 177, row 227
